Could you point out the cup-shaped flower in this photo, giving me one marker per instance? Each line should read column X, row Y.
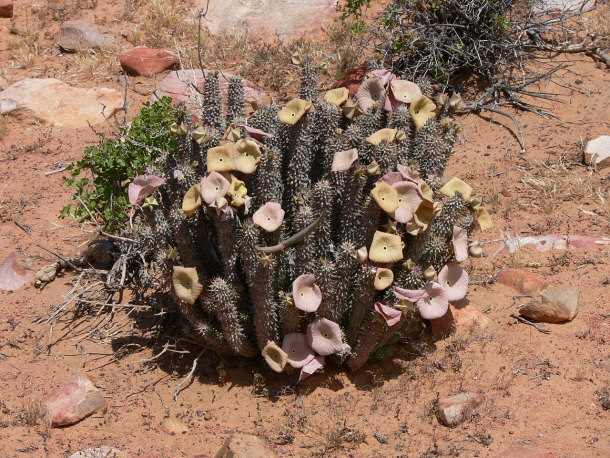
column 270, row 216
column 371, row 92
column 385, row 76
column 456, row 185
column 232, row 134
column 220, row 158
column 237, row 191
column 459, row 242
column 408, row 174
column 383, row 278
column 430, row 273
column 256, row 134
column 324, row 336
column 343, row 160
column 421, row 218
column 457, row 103
column 385, row 248
column 143, row 186
column 362, row 255
column 389, row 314
column 351, row 109
column 337, row 96
column 405, row 91
column 475, row 249
column 213, row 187
column 386, row 134
column 298, row 350
column 275, row 357
column 186, row 284
column 435, row 303
column 192, row 200
column 410, row 295
column 312, row 366
column 294, row 110
column 409, row 201
column 422, row 110
column 392, row 178
column 306, row 293
column 484, row 219
column 246, row 156
column 455, row 281
column 373, row 168
column 385, row 196
column 202, row 135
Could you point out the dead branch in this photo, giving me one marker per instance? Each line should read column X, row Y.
column 523, row 320
column 189, row 375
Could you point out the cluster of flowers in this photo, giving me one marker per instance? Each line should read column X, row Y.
column 326, row 222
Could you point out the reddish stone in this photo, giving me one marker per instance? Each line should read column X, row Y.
column 521, row 281
column 352, row 79
column 521, row 451
column 144, row 61
column 244, row 446
column 74, row 400
column 457, row 409
column 505, row 192
column 6, row 8
column 465, row 316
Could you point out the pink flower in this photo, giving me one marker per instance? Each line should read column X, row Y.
column 143, row 186
column 454, row 280
column 306, row 294
column 389, row 314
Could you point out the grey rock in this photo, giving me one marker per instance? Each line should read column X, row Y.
column 270, row 18
column 553, row 305
column 457, row 409
column 77, row 35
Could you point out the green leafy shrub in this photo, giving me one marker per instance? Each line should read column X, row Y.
column 99, row 177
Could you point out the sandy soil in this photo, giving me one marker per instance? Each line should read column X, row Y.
column 542, row 391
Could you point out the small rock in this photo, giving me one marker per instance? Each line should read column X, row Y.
column 144, row 61
column 175, row 85
column 208, row 416
column 381, row 438
column 458, row 316
column 244, row 446
column 99, row 452
column 6, row 8
column 173, row 427
column 505, row 192
column 597, row 152
column 352, row 79
column 14, row 274
column 74, row 400
column 522, row 281
column 457, row 409
column 553, row 305
column 48, row 100
column 269, row 18
column 521, row 451
column 77, row 35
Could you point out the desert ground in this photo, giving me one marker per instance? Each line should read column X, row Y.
column 544, row 393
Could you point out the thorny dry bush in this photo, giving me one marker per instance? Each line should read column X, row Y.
column 505, row 49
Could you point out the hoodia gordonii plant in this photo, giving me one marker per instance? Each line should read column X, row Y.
column 318, row 229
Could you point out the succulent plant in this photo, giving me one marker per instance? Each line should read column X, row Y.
column 312, row 231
